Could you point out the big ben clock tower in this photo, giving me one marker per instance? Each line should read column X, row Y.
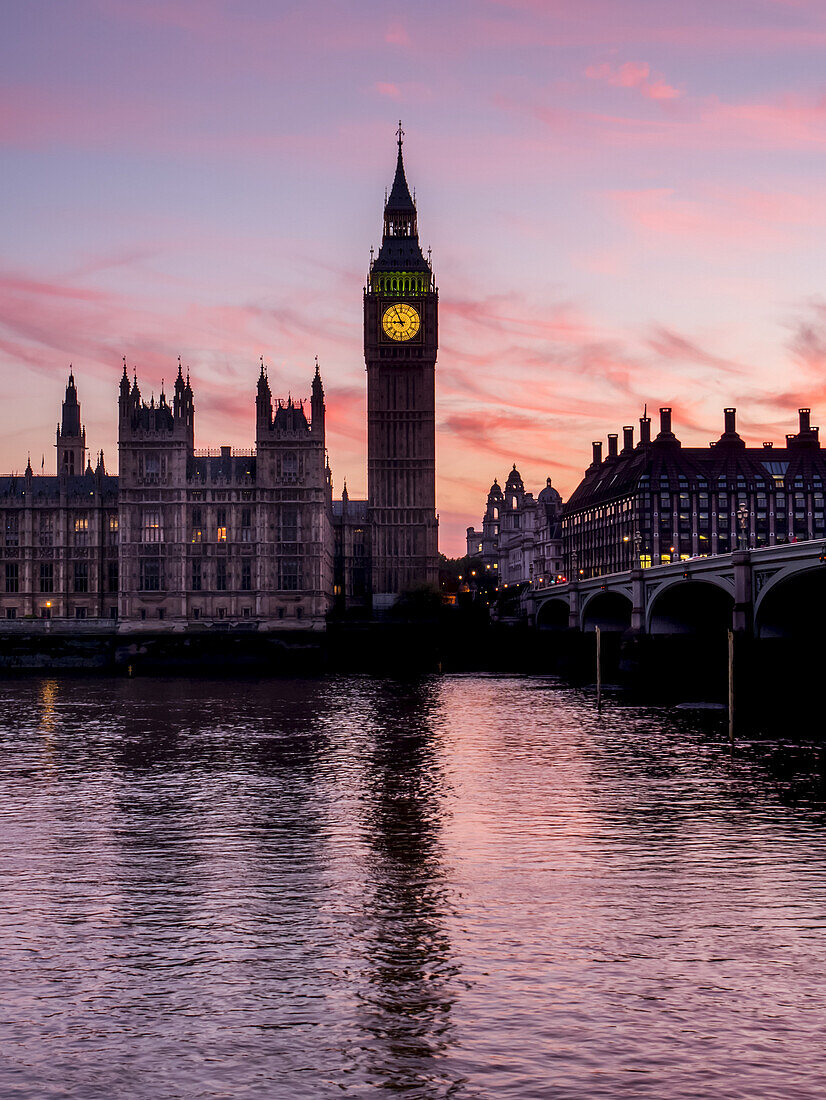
column 400, row 343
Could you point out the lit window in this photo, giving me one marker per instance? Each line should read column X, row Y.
column 81, row 530
column 152, row 528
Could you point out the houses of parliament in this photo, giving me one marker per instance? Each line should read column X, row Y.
column 250, row 538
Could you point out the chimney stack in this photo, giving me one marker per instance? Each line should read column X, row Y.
column 730, row 417
column 805, row 420
column 665, row 421
column 612, row 445
column 645, row 429
column 597, row 452
column 628, row 437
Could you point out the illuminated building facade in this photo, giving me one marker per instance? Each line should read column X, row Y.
column 181, row 536
column 249, row 537
column 656, row 501
column 521, row 536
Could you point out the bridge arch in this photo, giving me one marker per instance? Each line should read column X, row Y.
column 609, row 610
column 792, row 603
column 553, row 614
column 691, row 606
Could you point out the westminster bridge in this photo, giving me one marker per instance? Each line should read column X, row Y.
column 771, row 592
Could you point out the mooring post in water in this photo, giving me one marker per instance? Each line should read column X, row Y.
column 599, row 668
column 731, row 687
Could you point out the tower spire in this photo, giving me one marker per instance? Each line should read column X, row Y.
column 400, row 201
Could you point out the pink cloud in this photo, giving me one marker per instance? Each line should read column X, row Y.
column 633, row 74
column 392, row 91
column 748, row 218
column 396, row 35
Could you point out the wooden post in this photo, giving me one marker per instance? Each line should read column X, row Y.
column 599, row 668
column 731, row 687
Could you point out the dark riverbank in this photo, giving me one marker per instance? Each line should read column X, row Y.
column 777, row 680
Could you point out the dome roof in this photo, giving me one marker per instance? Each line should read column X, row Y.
column 549, row 495
column 514, row 481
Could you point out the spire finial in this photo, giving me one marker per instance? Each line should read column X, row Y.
column 317, row 372
column 124, row 366
column 400, row 136
column 180, row 369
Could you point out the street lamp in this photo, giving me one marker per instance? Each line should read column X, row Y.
column 743, row 518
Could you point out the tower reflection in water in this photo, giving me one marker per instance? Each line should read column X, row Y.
column 411, row 974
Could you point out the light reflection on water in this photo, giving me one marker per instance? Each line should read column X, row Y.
column 457, row 887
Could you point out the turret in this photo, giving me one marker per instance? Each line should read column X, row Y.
column 71, row 436
column 514, row 490
column 157, row 420
column 317, row 404
column 179, row 399
column 263, row 402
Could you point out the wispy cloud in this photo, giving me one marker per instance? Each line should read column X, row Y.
column 633, row 74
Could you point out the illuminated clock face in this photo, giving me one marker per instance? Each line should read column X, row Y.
column 400, row 322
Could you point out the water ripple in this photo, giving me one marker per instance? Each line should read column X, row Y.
column 462, row 887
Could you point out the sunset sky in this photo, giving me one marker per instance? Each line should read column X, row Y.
column 626, row 201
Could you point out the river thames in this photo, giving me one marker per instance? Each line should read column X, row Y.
column 463, row 886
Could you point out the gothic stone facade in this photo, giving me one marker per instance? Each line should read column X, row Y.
column 181, row 536
column 184, row 536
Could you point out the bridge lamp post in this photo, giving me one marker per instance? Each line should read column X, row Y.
column 743, row 517
column 637, row 549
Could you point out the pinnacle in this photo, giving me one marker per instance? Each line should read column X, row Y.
column 400, row 198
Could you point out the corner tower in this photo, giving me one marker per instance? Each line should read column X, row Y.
column 71, row 435
column 400, row 344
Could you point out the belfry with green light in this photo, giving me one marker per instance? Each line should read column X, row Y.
column 400, row 345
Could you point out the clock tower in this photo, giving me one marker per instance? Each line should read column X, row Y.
column 400, row 343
